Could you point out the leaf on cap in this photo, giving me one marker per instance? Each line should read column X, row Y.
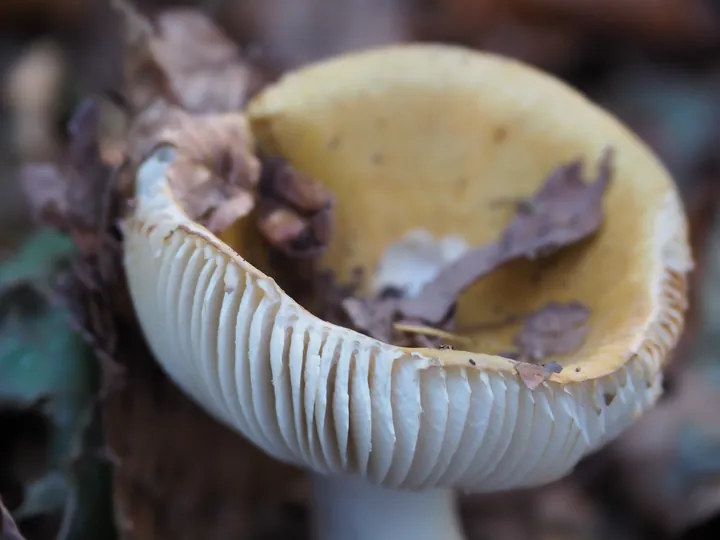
column 534, row 375
column 564, row 211
column 553, row 330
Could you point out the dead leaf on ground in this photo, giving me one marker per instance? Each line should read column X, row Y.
column 553, row 330
column 206, row 73
column 8, row 529
column 564, row 211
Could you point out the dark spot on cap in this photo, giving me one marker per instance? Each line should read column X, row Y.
column 500, row 134
column 334, row 142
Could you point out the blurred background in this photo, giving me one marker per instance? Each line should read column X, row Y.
column 654, row 63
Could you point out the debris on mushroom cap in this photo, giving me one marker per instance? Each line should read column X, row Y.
column 564, row 211
column 533, row 375
column 295, row 212
column 553, row 330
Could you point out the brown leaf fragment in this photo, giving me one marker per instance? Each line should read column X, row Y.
column 439, row 295
column 209, row 75
column 281, row 226
column 203, row 74
column 565, row 210
column 214, row 173
column 553, row 330
column 295, row 214
column 8, row 529
column 533, row 375
column 282, row 181
column 373, row 318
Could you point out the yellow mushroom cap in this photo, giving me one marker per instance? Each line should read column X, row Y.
column 420, row 137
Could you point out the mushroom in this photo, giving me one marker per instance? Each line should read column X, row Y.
column 417, row 137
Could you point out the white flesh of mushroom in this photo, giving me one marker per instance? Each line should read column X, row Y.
column 340, row 403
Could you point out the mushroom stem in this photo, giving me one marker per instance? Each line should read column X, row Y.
column 348, row 508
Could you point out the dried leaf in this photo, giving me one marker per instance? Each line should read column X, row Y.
column 214, row 172
column 8, row 529
column 553, row 330
column 533, row 375
column 374, row 318
column 203, row 74
column 282, row 181
column 296, row 211
column 281, row 226
column 565, row 210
